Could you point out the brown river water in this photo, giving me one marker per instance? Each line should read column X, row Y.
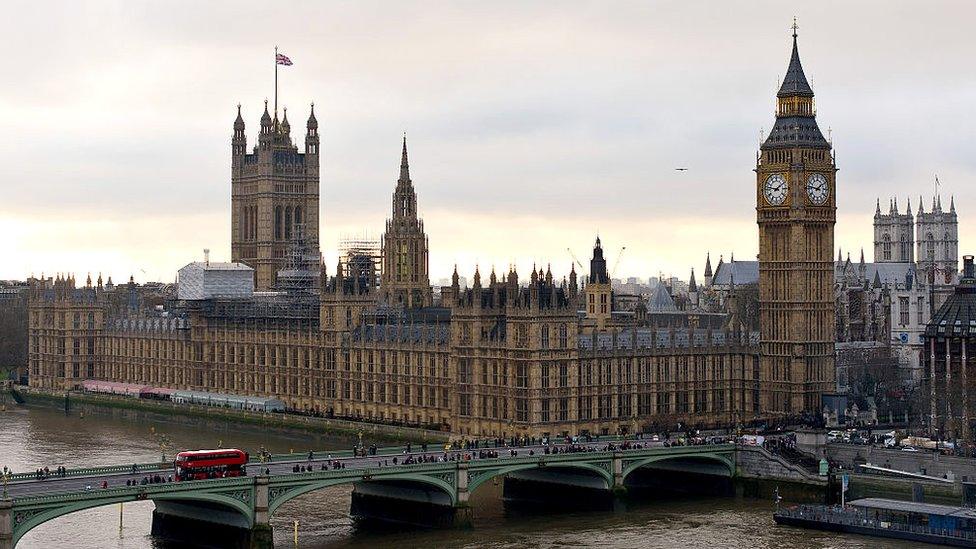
column 36, row 437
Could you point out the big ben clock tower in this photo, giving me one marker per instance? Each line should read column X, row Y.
column 796, row 210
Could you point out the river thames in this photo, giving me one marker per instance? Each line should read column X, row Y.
column 37, row 437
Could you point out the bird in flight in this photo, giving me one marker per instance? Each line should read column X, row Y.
column 681, row 169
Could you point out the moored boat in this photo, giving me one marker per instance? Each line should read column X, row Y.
column 889, row 518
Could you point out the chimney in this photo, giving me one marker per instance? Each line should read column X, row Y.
column 206, row 256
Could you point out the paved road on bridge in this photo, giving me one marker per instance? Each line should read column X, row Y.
column 384, row 459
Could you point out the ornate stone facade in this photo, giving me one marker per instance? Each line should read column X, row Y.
column 796, row 211
column 405, row 277
column 509, row 357
column 274, row 195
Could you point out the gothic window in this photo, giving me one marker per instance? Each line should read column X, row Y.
column 288, row 223
column 545, row 337
column 298, row 215
column 921, row 309
column 948, row 246
column 903, row 311
column 903, row 249
column 930, row 247
column 886, row 247
column 277, row 222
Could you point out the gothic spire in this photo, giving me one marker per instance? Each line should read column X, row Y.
column 877, row 208
column 265, row 119
column 692, row 286
column 796, row 124
column 239, row 121
column 708, row 265
column 404, row 165
column 313, row 123
column 795, row 83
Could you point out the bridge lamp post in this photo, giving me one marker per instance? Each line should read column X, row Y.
column 6, row 478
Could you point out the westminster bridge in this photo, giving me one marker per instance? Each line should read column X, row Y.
column 440, row 481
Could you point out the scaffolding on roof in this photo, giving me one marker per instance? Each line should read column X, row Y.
column 362, row 246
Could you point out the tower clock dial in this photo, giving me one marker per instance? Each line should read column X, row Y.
column 775, row 189
column 818, row 189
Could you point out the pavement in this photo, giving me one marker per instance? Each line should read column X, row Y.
column 53, row 484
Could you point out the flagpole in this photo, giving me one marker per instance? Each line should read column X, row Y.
column 276, row 83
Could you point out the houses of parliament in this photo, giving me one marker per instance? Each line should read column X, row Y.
column 513, row 354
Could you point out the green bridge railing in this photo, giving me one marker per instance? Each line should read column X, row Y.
column 256, row 459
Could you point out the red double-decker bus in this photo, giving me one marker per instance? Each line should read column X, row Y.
column 204, row 464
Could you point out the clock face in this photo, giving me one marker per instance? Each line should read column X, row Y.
column 775, row 189
column 818, row 189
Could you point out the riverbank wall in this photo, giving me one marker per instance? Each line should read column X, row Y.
column 80, row 402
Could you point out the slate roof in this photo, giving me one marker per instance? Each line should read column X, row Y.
column 957, row 316
column 661, row 300
column 436, row 334
column 795, row 131
column 744, row 272
column 882, row 273
column 646, row 338
column 795, row 82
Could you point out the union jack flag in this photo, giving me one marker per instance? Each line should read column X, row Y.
column 282, row 59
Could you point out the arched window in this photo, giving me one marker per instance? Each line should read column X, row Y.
column 886, row 247
column 298, row 215
column 288, row 223
column 929, row 247
column 903, row 249
column 277, row 222
column 948, row 247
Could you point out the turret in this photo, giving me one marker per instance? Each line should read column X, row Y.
column 312, row 134
column 239, row 141
column 572, row 280
column 266, row 123
column 286, row 126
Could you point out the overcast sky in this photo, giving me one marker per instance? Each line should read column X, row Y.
column 531, row 126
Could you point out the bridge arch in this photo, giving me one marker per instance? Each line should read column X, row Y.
column 25, row 520
column 279, row 494
column 479, row 476
column 631, row 465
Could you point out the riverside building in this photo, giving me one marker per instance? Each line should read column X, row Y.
column 511, row 355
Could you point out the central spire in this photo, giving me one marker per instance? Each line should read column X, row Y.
column 795, row 83
column 796, row 124
column 404, row 165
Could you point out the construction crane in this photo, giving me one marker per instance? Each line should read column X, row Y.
column 617, row 262
column 577, row 261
